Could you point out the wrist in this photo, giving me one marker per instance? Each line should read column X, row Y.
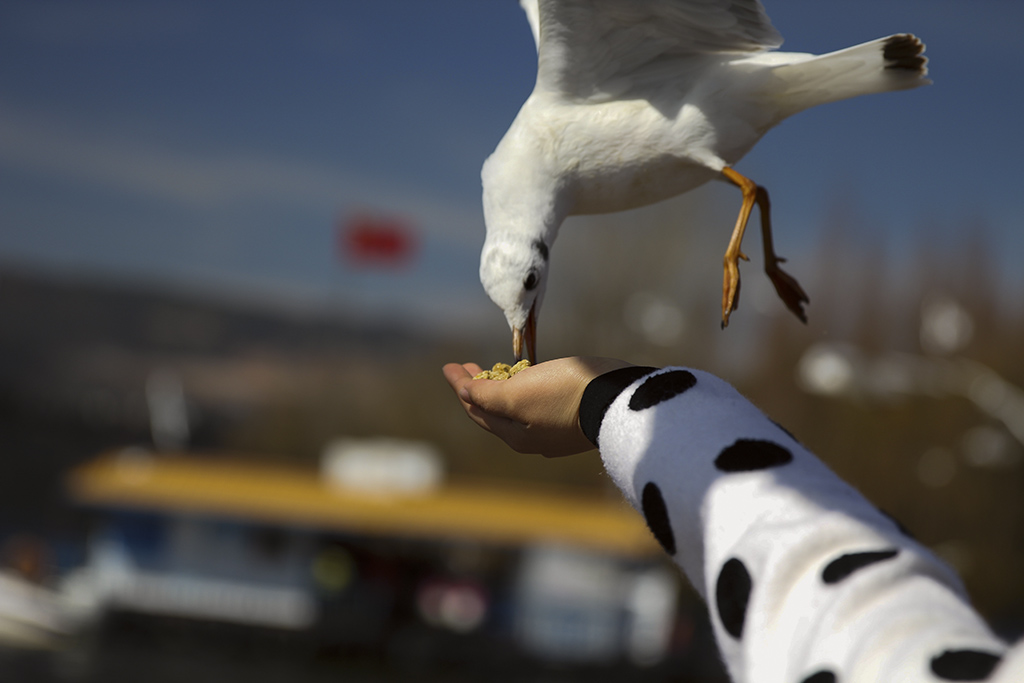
column 599, row 394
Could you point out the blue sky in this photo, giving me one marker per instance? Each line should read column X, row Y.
column 216, row 144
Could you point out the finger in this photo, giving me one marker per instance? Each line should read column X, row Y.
column 495, row 397
column 506, row 429
column 456, row 374
column 457, row 377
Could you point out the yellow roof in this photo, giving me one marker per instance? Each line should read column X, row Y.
column 275, row 494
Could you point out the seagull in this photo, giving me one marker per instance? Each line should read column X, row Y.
column 637, row 101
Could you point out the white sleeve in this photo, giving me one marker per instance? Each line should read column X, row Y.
column 805, row 580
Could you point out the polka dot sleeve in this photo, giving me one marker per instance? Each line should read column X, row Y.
column 804, row 579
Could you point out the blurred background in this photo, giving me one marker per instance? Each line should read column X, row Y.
column 239, row 239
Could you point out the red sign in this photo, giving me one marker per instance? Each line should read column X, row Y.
column 372, row 240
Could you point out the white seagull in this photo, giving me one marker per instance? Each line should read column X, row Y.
column 637, row 101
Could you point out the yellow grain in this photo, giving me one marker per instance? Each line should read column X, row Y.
column 503, row 370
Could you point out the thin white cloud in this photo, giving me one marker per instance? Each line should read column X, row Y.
column 216, row 178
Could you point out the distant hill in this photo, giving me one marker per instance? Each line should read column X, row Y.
column 40, row 314
column 75, row 355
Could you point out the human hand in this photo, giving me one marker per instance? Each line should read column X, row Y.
column 537, row 409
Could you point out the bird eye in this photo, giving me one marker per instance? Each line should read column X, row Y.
column 530, row 283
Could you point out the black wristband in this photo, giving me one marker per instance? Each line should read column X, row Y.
column 600, row 393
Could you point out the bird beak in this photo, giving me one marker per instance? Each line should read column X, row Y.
column 528, row 336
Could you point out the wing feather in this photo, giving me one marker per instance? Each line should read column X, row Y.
column 594, row 49
column 532, row 16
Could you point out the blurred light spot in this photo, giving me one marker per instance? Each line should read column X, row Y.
column 651, row 603
column 936, row 468
column 168, row 414
column 826, row 369
column 382, row 465
column 946, row 326
column 456, row 605
column 657, row 319
column 570, row 605
column 333, row 569
column 986, row 446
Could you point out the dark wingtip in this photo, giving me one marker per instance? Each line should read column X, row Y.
column 905, row 52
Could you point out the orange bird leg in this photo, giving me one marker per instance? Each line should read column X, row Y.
column 786, row 286
column 731, row 279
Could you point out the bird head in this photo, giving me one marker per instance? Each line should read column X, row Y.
column 514, row 272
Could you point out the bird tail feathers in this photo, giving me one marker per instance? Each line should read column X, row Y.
column 893, row 63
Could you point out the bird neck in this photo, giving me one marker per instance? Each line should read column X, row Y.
column 523, row 206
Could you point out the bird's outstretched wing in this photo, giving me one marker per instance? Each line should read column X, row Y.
column 600, row 49
column 532, row 16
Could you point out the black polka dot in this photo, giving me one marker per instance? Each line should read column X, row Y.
column 844, row 565
column 731, row 596
column 964, row 665
column 600, row 394
column 661, row 388
column 823, row 676
column 656, row 515
column 747, row 455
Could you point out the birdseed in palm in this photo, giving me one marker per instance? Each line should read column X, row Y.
column 503, row 370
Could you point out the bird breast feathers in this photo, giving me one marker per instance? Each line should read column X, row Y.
column 602, row 158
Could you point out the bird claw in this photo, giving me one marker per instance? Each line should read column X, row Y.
column 730, row 290
column 786, row 286
column 788, row 289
